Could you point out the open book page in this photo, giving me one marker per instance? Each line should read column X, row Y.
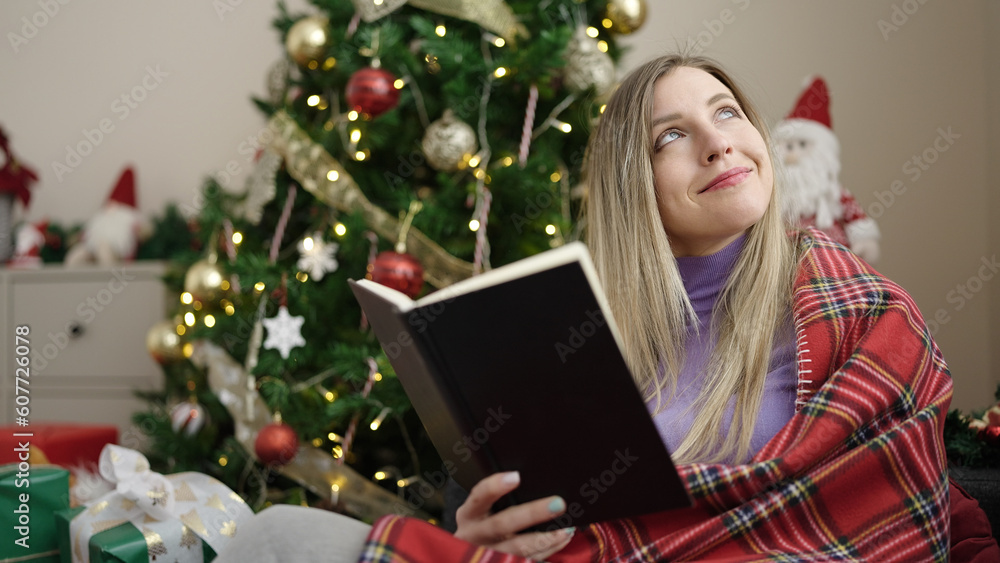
column 566, row 254
column 572, row 252
column 397, row 298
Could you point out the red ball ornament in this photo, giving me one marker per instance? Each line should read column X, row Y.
column 401, row 272
column 372, row 91
column 276, row 444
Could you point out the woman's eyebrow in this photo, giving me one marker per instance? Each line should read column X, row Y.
column 676, row 116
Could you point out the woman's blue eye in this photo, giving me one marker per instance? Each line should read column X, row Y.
column 727, row 113
column 668, row 136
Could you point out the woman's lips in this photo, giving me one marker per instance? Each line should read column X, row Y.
column 728, row 178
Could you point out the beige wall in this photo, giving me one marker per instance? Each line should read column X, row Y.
column 187, row 69
column 992, row 69
column 891, row 94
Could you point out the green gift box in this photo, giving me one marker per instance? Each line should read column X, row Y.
column 184, row 517
column 63, row 518
column 28, row 500
column 123, row 543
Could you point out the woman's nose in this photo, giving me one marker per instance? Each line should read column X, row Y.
column 716, row 145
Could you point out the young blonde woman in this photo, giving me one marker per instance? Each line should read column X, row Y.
column 799, row 389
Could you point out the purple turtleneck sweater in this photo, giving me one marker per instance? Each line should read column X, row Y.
column 704, row 278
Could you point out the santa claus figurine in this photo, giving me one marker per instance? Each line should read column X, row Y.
column 28, row 245
column 805, row 142
column 112, row 235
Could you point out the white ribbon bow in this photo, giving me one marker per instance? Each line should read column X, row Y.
column 129, row 470
column 174, row 513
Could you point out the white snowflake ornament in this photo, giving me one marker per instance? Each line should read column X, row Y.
column 284, row 332
column 318, row 257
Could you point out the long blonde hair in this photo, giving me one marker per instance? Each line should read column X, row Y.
column 640, row 276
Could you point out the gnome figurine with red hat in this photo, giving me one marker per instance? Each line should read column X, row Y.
column 805, row 143
column 28, row 244
column 112, row 235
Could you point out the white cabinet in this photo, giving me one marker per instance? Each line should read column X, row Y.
column 87, row 337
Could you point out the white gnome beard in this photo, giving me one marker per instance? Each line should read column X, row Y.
column 811, row 188
column 116, row 226
column 28, row 240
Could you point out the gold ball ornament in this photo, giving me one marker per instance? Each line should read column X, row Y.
column 448, row 142
column 204, row 280
column 163, row 343
column 626, row 16
column 588, row 65
column 307, row 39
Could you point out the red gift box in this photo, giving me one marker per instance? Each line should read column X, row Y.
column 63, row 444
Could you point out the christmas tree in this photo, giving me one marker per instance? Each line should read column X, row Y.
column 416, row 143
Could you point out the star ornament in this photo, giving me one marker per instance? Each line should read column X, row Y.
column 284, row 332
column 318, row 257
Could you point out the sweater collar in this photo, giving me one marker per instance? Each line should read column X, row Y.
column 704, row 277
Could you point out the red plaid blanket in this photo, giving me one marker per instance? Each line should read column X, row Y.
column 859, row 473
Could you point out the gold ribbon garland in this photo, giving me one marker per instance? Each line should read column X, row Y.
column 311, row 467
column 492, row 15
column 324, row 177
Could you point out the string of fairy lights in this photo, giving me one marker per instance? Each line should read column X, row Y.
column 449, row 145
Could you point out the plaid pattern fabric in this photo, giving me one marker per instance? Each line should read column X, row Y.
column 859, row 473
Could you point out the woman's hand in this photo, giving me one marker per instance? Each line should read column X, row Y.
column 500, row 531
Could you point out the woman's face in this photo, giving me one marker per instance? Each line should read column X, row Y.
column 711, row 168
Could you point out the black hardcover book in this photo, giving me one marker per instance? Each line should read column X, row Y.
column 521, row 368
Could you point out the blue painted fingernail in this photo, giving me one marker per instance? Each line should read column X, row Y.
column 569, row 531
column 557, row 504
